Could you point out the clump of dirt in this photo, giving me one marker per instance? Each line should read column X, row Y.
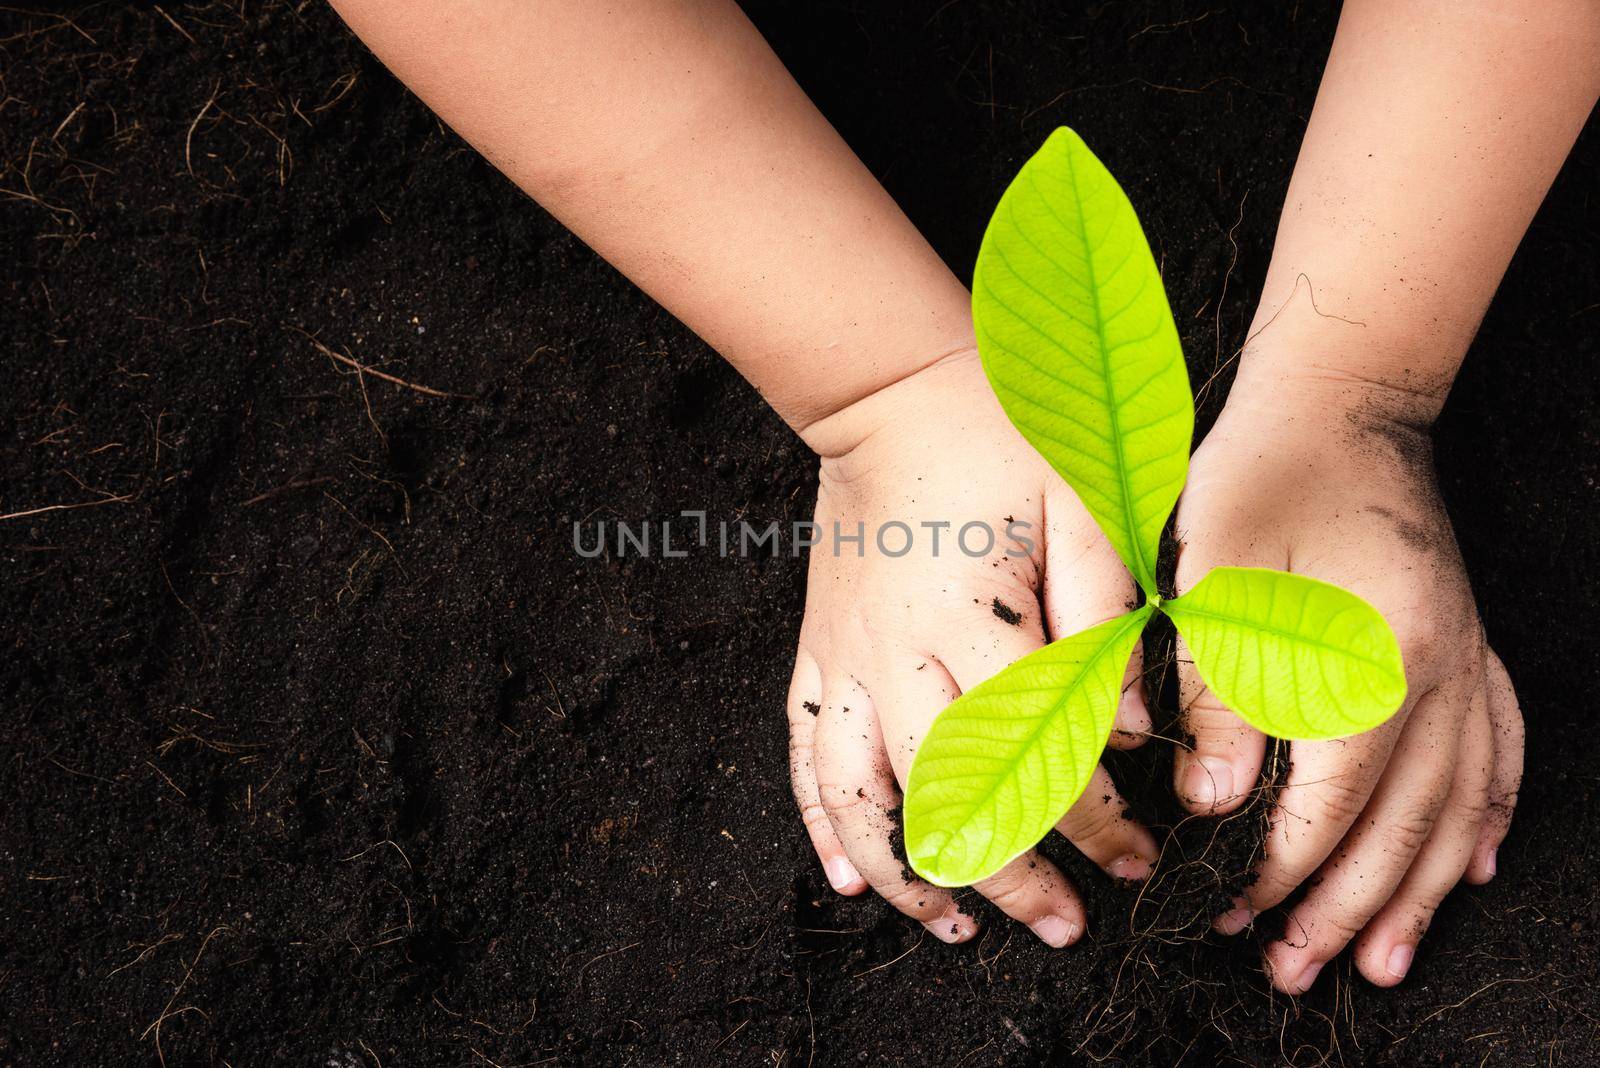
column 1006, row 614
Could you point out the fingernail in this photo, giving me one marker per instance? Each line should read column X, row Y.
column 1399, row 961
column 1055, row 931
column 1235, row 919
column 952, row 926
column 1132, row 867
column 1308, row 977
column 1490, row 865
column 841, row 873
column 1208, row 782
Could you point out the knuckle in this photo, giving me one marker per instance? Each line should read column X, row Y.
column 1006, row 890
column 1214, row 727
column 1280, row 874
column 1091, row 821
column 840, row 801
column 1334, row 926
column 1502, row 804
column 813, row 815
column 1422, row 911
column 1469, row 807
column 913, row 899
column 1405, row 832
column 1338, row 801
column 802, row 712
column 1274, row 882
column 1205, row 715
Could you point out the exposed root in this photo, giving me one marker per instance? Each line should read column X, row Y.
column 1169, row 929
column 1311, row 293
column 122, row 499
column 168, row 1012
column 364, row 369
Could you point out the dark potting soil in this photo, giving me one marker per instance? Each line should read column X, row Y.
column 323, row 747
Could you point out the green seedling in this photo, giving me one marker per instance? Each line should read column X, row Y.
column 1079, row 344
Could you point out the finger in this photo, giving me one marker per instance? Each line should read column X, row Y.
column 859, row 793
column 983, row 646
column 1388, row 944
column 1084, row 584
column 1506, row 732
column 988, row 636
column 1219, row 770
column 910, row 693
column 1133, row 726
column 804, row 704
column 1033, row 891
column 1407, row 809
column 1328, row 786
column 1098, row 825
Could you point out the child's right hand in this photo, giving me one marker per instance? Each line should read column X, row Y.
column 888, row 641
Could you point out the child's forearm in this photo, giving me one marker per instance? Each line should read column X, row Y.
column 1437, row 130
column 670, row 138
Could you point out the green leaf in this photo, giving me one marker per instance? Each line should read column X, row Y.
column 1294, row 657
column 1079, row 344
column 1003, row 763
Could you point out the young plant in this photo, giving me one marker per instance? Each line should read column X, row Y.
column 1079, row 344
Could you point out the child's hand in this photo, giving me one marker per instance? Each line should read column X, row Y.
column 888, row 641
column 1333, row 478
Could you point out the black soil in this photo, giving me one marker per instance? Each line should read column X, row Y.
column 323, row 747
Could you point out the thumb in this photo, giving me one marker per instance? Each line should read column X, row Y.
column 1217, row 772
column 1220, row 769
column 1085, row 583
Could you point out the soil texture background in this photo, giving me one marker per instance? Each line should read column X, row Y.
column 322, row 746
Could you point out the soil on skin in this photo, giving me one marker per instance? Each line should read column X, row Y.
column 1005, row 613
column 321, row 744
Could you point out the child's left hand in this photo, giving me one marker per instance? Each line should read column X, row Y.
column 1333, row 478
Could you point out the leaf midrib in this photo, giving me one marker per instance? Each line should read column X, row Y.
column 1141, row 569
